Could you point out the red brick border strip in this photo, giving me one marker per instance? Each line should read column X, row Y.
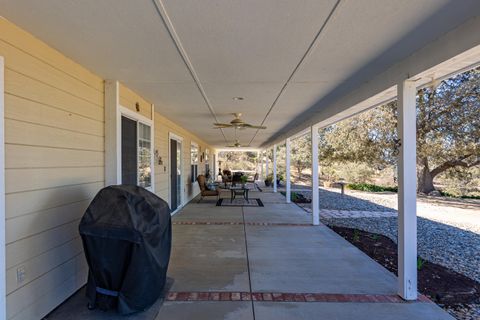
column 288, row 297
column 234, row 223
column 213, row 223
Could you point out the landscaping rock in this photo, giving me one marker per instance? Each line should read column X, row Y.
column 435, row 193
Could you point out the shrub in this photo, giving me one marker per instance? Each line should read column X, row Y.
column 420, row 263
column 268, row 180
column 293, row 196
column 370, row 187
column 455, row 195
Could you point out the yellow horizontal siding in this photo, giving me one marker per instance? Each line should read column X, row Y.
column 19, row 180
column 23, row 63
column 28, row 225
column 54, row 143
column 27, row 133
column 25, row 249
column 43, row 263
column 21, row 85
column 129, row 99
column 26, row 42
column 34, row 112
column 163, row 127
column 43, row 157
column 18, row 204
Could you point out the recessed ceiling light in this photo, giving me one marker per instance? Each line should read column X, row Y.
column 237, row 98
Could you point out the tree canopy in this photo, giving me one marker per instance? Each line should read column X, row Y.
column 448, row 131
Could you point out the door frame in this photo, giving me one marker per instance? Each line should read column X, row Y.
column 3, row 273
column 173, row 136
column 125, row 112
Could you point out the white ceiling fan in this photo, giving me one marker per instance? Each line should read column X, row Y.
column 237, row 123
column 237, row 144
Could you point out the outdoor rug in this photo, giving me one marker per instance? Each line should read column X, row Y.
column 239, row 202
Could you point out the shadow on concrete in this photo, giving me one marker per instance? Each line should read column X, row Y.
column 75, row 308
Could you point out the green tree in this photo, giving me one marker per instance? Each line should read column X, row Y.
column 448, row 127
column 301, row 153
column 238, row 160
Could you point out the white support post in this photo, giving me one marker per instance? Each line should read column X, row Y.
column 287, row 170
column 113, row 173
column 315, row 196
column 257, row 168
column 215, row 166
column 266, row 163
column 274, row 168
column 261, row 166
column 407, row 194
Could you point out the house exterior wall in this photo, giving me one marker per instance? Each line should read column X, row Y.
column 54, row 166
column 128, row 99
column 163, row 127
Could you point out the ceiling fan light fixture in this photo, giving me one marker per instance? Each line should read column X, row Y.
column 237, row 123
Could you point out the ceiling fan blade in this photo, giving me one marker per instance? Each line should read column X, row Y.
column 246, row 125
column 222, row 125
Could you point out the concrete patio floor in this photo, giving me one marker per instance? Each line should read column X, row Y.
column 257, row 251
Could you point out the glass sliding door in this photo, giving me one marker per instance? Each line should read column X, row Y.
column 179, row 173
column 129, row 151
column 175, row 173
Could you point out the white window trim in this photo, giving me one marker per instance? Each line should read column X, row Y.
column 113, row 133
column 173, row 136
column 125, row 112
column 3, row 302
column 194, row 144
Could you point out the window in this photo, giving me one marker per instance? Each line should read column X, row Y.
column 144, row 156
column 207, row 164
column 136, row 153
column 194, row 161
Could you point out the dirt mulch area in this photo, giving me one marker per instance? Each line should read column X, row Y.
column 443, row 286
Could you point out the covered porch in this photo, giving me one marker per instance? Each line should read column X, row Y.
column 267, row 263
column 80, row 81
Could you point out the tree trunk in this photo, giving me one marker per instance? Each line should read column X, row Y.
column 299, row 171
column 425, row 178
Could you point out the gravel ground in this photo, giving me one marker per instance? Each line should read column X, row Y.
column 446, row 245
column 332, row 199
column 448, row 229
column 467, row 312
column 449, row 246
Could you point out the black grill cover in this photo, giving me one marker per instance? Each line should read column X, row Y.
column 126, row 233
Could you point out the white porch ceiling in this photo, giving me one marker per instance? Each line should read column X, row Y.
column 246, row 48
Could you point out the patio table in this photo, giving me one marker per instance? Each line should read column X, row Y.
column 243, row 191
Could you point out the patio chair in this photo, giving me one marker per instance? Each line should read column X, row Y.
column 226, row 177
column 204, row 191
column 252, row 179
column 237, row 178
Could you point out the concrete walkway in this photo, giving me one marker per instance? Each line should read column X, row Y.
column 285, row 256
column 267, row 263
